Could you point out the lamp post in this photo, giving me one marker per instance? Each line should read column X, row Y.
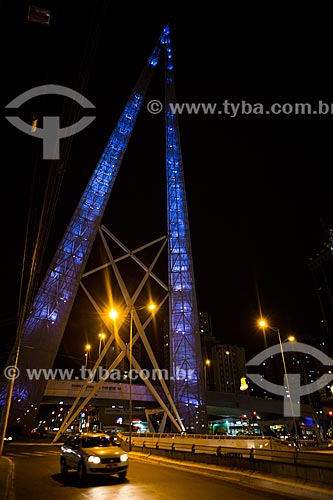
column 101, row 337
column 264, row 333
column 263, row 324
column 10, row 388
column 206, row 366
column 86, row 354
column 151, row 308
column 130, row 377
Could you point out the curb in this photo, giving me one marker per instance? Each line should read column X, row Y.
column 8, row 492
column 251, row 479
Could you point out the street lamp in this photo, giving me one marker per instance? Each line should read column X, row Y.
column 206, row 365
column 113, row 314
column 151, row 307
column 102, row 337
column 263, row 324
column 86, row 354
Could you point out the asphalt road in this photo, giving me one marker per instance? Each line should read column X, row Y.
column 37, row 476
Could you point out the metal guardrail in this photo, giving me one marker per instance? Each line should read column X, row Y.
column 199, row 444
column 205, row 437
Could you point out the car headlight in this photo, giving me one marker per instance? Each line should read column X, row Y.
column 94, row 460
column 124, row 457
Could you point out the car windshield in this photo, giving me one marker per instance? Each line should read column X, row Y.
column 94, row 441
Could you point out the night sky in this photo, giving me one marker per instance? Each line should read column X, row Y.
column 258, row 187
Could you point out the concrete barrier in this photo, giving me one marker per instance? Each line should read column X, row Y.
column 264, row 457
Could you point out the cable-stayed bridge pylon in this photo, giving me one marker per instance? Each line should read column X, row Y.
column 43, row 329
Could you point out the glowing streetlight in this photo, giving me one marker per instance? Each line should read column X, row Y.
column 206, row 366
column 262, row 323
column 86, row 354
column 102, row 337
column 113, row 314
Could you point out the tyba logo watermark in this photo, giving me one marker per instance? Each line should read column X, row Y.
column 291, row 390
column 51, row 133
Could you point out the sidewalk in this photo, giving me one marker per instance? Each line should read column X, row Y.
column 251, row 479
column 6, row 478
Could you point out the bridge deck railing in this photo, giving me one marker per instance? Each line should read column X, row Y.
column 210, row 445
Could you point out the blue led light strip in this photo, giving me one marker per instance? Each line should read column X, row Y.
column 184, row 333
column 43, row 329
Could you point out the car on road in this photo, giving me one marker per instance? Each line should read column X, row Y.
column 93, row 453
column 39, row 432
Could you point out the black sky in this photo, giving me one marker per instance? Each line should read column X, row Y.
column 258, row 187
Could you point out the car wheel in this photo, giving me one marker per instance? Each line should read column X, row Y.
column 122, row 475
column 63, row 468
column 82, row 472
